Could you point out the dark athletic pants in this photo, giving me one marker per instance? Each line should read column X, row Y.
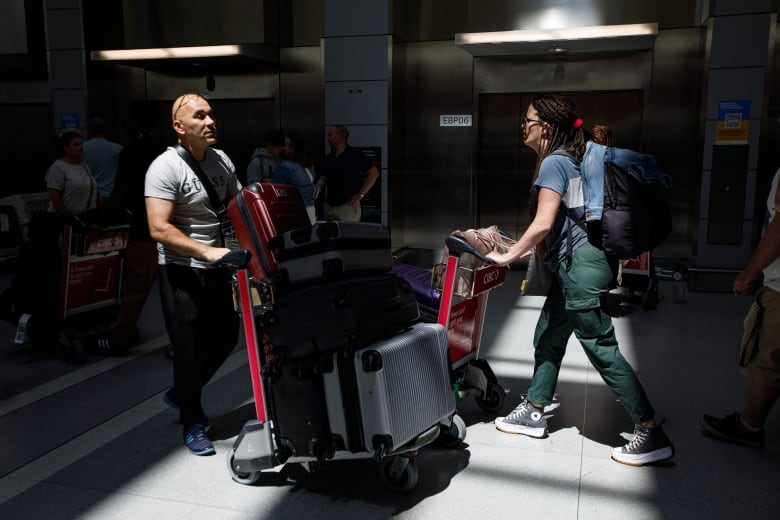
column 202, row 326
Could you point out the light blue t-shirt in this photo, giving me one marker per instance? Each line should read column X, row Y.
column 102, row 157
column 560, row 174
column 290, row 172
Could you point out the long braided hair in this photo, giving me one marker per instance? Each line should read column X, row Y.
column 565, row 131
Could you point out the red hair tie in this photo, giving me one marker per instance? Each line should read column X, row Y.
column 577, row 123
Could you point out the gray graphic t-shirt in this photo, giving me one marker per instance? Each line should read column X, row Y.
column 169, row 178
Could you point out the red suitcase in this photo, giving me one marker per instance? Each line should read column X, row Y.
column 260, row 212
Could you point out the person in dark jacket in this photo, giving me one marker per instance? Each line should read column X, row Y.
column 127, row 204
column 347, row 176
column 265, row 160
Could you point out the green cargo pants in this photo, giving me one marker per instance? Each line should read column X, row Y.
column 573, row 305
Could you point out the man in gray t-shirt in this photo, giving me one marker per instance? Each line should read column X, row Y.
column 169, row 178
column 196, row 300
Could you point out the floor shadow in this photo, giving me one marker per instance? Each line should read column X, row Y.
column 361, row 480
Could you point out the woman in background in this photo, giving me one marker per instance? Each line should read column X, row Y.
column 70, row 184
column 297, row 171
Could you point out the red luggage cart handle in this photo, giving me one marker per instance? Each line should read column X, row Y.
column 252, row 347
column 456, row 246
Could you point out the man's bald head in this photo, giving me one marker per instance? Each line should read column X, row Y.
column 183, row 101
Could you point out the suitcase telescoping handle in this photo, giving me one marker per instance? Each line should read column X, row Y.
column 458, row 245
column 237, row 258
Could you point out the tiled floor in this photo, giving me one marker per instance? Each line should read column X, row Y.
column 95, row 441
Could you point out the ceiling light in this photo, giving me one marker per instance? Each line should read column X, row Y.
column 162, row 53
column 561, row 34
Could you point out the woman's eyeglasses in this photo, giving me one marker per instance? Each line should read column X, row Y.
column 527, row 120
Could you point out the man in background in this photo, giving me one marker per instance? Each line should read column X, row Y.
column 102, row 157
column 127, row 205
column 347, row 176
column 760, row 355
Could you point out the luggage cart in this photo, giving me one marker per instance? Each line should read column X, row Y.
column 638, row 275
column 641, row 276
column 258, row 448
column 463, row 313
column 462, row 302
column 89, row 282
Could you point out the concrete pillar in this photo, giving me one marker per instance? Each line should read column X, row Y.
column 357, row 46
column 67, row 63
column 738, row 51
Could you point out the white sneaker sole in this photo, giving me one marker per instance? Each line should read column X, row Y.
column 519, row 429
column 642, row 458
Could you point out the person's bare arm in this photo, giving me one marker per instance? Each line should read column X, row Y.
column 159, row 213
column 768, row 251
column 372, row 176
column 540, row 226
column 56, row 200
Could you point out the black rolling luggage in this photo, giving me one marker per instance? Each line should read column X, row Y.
column 296, row 399
column 330, row 249
column 342, row 315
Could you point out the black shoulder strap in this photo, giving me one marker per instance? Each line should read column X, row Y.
column 214, row 199
column 228, row 233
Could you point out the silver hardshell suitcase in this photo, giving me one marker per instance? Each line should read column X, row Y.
column 402, row 387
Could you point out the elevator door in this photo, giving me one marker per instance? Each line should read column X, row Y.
column 505, row 165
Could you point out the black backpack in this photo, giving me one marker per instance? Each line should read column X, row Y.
column 636, row 216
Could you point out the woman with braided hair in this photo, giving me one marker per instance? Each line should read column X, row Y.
column 581, row 275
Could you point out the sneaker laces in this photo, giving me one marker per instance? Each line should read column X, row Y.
column 520, row 410
column 640, row 436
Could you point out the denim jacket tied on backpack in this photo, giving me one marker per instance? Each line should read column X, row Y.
column 641, row 166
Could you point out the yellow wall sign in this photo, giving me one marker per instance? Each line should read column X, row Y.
column 733, row 122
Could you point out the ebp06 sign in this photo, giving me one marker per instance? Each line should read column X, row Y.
column 455, row 120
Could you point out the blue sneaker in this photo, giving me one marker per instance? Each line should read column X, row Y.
column 197, row 441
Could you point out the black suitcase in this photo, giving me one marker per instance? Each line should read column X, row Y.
column 342, row 315
column 328, row 250
column 296, row 401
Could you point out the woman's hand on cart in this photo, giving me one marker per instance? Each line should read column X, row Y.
column 505, row 258
column 236, row 258
column 457, row 245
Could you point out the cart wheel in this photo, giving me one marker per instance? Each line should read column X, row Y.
column 493, row 399
column 246, row 478
column 399, row 473
column 453, row 434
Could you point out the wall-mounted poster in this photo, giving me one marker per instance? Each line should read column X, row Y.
column 371, row 205
column 733, row 122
